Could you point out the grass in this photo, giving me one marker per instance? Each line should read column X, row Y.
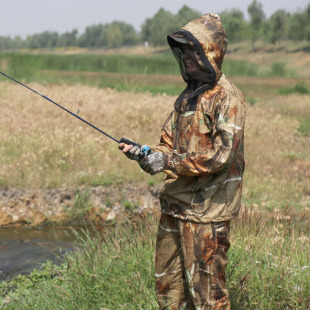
column 304, row 127
column 44, row 147
column 268, row 268
column 155, row 73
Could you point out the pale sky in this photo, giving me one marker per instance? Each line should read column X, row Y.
column 23, row 17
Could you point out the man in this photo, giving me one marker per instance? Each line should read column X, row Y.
column 201, row 151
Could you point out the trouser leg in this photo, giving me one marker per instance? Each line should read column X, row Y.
column 190, row 264
column 204, row 248
column 168, row 265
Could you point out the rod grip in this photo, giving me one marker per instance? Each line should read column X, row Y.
column 144, row 150
column 127, row 141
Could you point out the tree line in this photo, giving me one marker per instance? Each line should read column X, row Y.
column 281, row 25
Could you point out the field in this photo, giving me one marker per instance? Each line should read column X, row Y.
column 44, row 147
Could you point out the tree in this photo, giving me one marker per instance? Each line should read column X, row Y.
column 129, row 34
column 68, row 38
column 234, row 24
column 46, row 39
column 94, row 36
column 257, row 17
column 156, row 29
column 114, row 36
column 185, row 15
column 277, row 26
column 296, row 26
column 306, row 18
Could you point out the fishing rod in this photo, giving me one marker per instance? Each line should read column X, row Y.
column 145, row 150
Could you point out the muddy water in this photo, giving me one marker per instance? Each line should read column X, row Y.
column 22, row 250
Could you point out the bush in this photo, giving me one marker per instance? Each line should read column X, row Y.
column 299, row 88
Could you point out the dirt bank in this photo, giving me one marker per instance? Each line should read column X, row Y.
column 61, row 205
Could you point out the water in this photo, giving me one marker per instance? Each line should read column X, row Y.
column 22, row 250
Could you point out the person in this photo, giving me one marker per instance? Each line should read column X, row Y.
column 201, row 150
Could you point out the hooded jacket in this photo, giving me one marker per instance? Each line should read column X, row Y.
column 204, row 134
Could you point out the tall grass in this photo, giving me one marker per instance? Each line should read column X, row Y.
column 269, row 268
column 44, row 147
column 24, row 65
column 29, row 66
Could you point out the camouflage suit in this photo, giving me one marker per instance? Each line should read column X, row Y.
column 203, row 138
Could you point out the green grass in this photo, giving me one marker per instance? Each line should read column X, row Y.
column 27, row 65
column 130, row 72
column 30, row 67
column 299, row 88
column 268, row 268
column 304, row 127
column 240, row 68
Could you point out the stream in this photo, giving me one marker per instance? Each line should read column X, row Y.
column 22, row 249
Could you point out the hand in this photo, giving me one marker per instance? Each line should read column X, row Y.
column 154, row 163
column 132, row 152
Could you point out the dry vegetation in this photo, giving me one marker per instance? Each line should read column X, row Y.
column 43, row 146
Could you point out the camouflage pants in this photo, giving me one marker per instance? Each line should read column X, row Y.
column 190, row 264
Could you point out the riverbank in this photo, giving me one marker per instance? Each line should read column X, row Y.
column 268, row 268
column 70, row 205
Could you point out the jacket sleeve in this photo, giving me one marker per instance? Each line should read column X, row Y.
column 166, row 140
column 227, row 131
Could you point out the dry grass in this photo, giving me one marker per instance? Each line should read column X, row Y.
column 42, row 146
column 278, row 156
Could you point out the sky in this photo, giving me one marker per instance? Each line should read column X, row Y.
column 24, row 17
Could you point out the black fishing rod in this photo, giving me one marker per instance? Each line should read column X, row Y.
column 145, row 150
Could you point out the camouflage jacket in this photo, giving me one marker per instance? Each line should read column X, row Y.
column 204, row 134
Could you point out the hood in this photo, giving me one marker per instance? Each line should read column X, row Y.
column 208, row 37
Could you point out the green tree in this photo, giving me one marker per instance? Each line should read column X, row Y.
column 114, row 36
column 295, row 27
column 94, row 36
column 129, row 34
column 277, row 26
column 46, row 39
column 306, row 18
column 185, row 15
column 156, row 29
column 235, row 25
column 68, row 38
column 257, row 17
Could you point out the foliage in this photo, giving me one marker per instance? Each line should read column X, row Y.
column 81, row 203
column 298, row 88
column 235, row 25
column 156, row 29
column 29, row 66
column 278, row 26
column 257, row 16
column 281, row 25
column 304, row 127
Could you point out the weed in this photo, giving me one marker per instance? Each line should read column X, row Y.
column 81, row 205
column 150, row 182
column 128, row 205
column 278, row 69
column 304, row 127
column 299, row 88
column 251, row 100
